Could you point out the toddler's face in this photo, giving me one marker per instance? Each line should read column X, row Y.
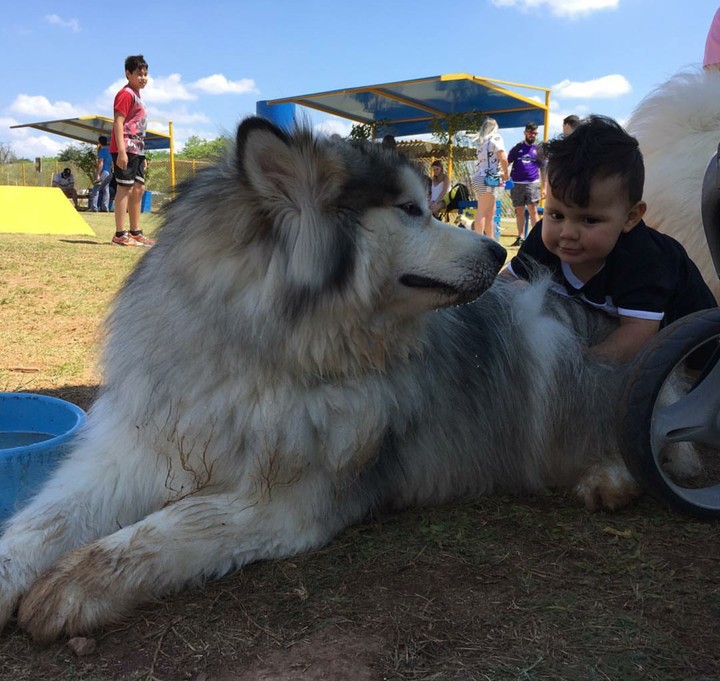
column 584, row 237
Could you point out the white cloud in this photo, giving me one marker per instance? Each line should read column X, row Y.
column 28, row 142
column 217, row 84
column 161, row 90
column 55, row 20
column 333, row 126
column 607, row 87
column 166, row 89
column 31, row 146
column 561, row 8
column 181, row 115
column 39, row 107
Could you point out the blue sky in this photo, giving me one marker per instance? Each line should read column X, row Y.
column 210, row 62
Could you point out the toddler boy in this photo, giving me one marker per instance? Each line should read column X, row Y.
column 593, row 239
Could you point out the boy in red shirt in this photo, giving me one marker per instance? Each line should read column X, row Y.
column 127, row 147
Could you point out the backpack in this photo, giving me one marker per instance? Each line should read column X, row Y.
column 456, row 194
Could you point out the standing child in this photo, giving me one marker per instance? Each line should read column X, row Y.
column 593, row 239
column 103, row 175
column 127, row 147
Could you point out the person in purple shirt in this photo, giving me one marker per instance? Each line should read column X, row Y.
column 528, row 176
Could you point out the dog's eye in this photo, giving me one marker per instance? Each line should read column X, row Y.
column 411, row 208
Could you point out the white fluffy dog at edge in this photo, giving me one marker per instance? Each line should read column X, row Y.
column 678, row 128
column 292, row 356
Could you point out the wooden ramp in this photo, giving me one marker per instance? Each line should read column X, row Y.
column 39, row 210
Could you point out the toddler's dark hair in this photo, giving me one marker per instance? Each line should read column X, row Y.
column 598, row 148
column 134, row 62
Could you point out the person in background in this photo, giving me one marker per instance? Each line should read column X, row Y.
column 127, row 147
column 570, row 123
column 388, row 142
column 440, row 185
column 65, row 180
column 493, row 163
column 527, row 174
column 101, row 189
column 597, row 247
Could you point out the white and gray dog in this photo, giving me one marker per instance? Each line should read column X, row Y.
column 279, row 366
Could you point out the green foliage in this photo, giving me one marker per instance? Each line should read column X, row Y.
column 361, row 132
column 455, row 127
column 197, row 149
column 84, row 158
column 452, row 130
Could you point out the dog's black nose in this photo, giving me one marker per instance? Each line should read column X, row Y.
column 498, row 251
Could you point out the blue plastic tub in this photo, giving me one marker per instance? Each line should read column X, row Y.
column 35, row 433
column 146, row 202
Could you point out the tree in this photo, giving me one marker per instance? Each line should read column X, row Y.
column 364, row 132
column 7, row 155
column 361, row 132
column 452, row 130
column 197, row 149
column 84, row 158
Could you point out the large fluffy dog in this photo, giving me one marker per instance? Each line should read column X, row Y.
column 678, row 127
column 274, row 372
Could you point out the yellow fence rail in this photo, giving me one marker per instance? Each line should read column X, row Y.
column 26, row 174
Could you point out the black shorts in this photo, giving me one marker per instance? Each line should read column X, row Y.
column 134, row 172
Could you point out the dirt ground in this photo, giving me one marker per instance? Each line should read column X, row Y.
column 492, row 588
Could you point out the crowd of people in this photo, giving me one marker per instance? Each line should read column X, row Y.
column 521, row 171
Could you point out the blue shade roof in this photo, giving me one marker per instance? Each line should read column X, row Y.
column 89, row 128
column 409, row 107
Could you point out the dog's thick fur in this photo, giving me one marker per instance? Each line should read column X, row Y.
column 678, row 128
column 275, row 371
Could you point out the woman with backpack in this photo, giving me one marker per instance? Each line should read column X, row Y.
column 491, row 172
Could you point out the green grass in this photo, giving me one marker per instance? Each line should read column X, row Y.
column 54, row 294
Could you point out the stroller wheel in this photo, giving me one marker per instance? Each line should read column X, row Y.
column 669, row 417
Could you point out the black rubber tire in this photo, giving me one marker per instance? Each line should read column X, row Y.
column 637, row 410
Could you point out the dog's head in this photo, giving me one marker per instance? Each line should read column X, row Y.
column 303, row 245
column 352, row 220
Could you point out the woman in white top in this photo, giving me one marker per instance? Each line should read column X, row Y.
column 439, row 186
column 492, row 160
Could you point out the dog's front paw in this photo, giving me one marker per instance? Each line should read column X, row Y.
column 72, row 598
column 607, row 488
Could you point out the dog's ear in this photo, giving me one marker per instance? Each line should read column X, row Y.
column 295, row 169
column 297, row 179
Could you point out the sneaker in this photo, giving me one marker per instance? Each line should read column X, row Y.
column 518, row 242
column 142, row 240
column 125, row 240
